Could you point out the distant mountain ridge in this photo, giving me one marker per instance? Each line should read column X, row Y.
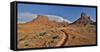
column 53, row 19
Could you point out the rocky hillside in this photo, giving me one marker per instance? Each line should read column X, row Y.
column 43, row 32
column 83, row 20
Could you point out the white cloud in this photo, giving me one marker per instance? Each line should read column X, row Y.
column 57, row 18
column 26, row 14
column 93, row 19
column 26, row 17
column 67, row 21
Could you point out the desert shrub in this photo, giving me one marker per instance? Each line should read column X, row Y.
column 54, row 37
column 52, row 41
column 22, row 36
column 42, row 33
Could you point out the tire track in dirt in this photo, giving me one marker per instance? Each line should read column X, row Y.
column 76, row 35
column 64, row 39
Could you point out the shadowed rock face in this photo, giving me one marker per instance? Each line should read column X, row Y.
column 83, row 20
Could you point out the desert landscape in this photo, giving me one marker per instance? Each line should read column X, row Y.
column 42, row 32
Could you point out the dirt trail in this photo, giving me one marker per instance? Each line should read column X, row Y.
column 69, row 36
column 61, row 42
column 64, row 28
column 66, row 34
column 64, row 39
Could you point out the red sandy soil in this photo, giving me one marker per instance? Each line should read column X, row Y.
column 42, row 32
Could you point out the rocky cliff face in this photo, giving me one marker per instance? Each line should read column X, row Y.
column 42, row 32
column 41, row 19
column 83, row 20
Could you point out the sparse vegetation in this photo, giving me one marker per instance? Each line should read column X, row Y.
column 45, row 33
column 42, row 33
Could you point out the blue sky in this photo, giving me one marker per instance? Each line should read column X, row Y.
column 67, row 12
